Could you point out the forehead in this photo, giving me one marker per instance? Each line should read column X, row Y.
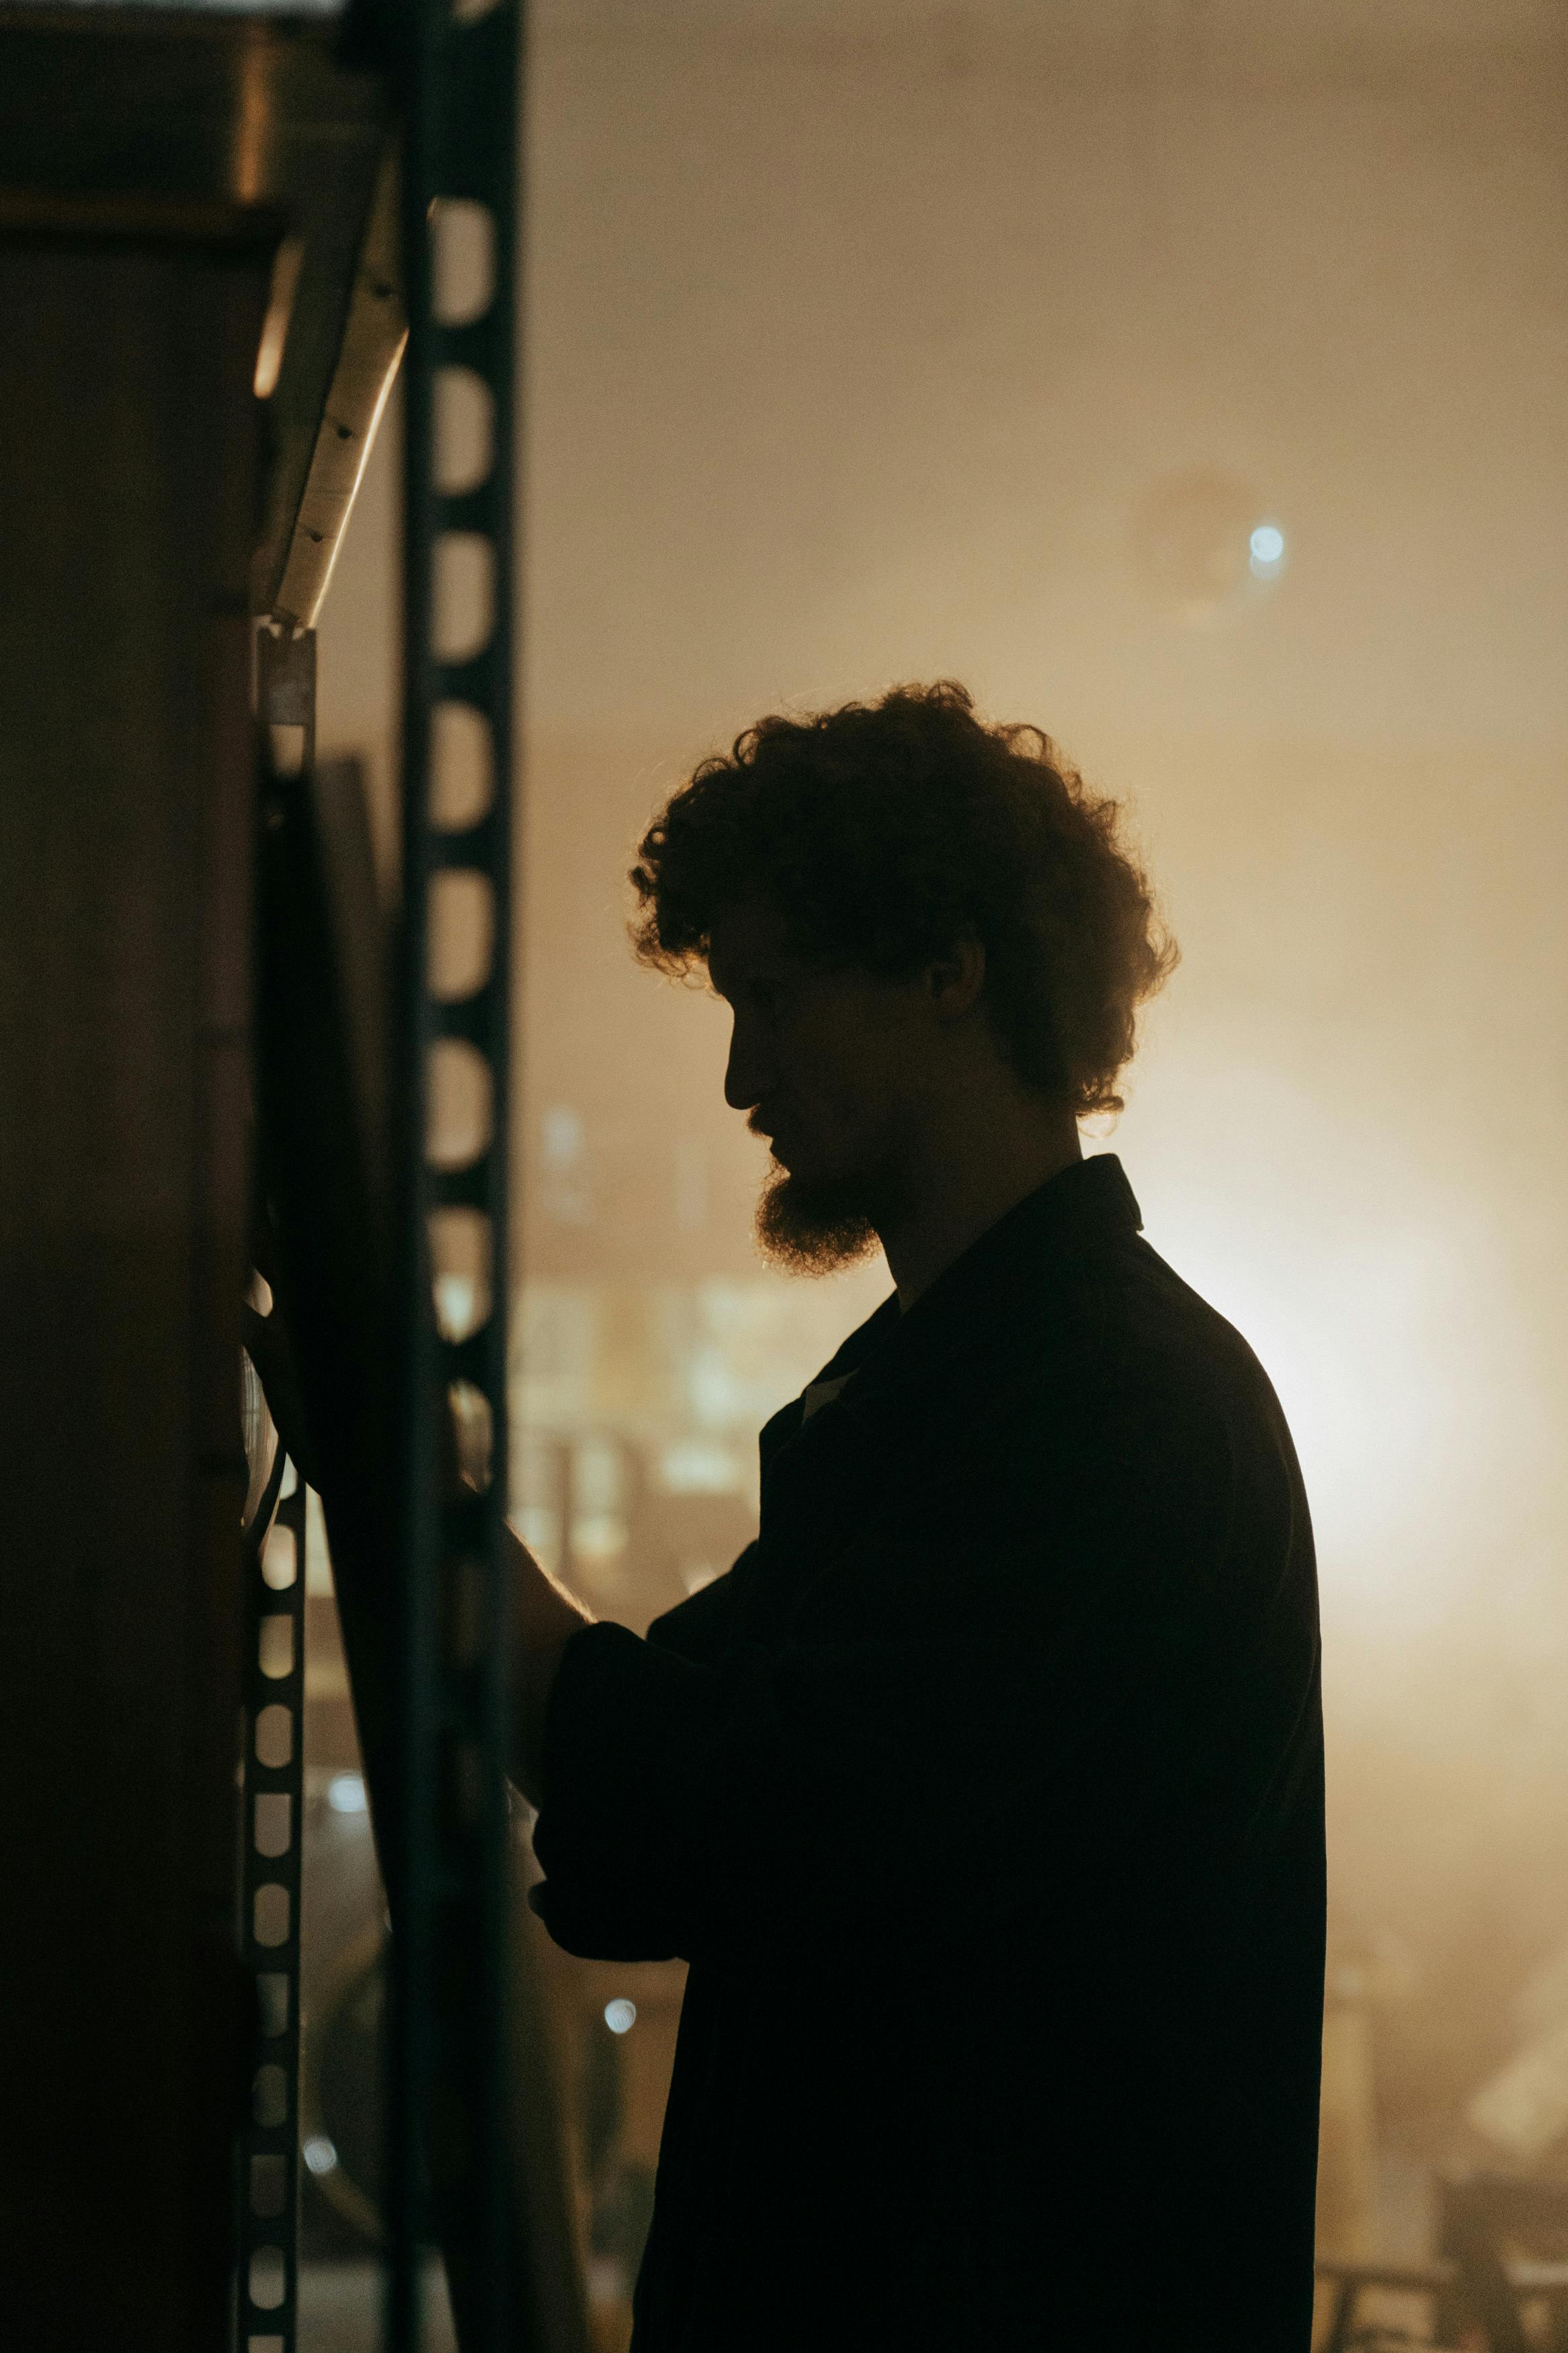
column 747, row 939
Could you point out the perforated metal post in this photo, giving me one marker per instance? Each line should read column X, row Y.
column 273, row 1782
column 460, row 91
column 273, row 1757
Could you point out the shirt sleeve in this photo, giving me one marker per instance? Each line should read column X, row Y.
column 700, row 1628
column 710, row 1797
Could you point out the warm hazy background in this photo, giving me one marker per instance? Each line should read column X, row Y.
column 870, row 343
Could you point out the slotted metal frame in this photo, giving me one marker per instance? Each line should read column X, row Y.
column 460, row 93
column 268, row 2185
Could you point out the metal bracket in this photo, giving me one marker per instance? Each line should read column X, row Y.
column 286, row 691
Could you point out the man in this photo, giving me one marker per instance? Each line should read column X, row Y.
column 983, row 1796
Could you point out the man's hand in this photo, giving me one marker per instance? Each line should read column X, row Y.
column 544, row 1618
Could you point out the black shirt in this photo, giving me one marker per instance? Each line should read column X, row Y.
column 985, row 1797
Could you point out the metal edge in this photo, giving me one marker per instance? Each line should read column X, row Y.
column 375, row 333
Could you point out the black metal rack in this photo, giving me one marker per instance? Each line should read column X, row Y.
column 460, row 175
column 266, row 2265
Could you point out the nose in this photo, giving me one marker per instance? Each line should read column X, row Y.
column 745, row 1075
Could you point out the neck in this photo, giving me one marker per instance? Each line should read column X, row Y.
column 965, row 1176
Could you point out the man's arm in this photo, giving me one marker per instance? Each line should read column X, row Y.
column 544, row 1615
column 544, row 1618
column 1058, row 1663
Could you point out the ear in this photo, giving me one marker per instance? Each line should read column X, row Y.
column 957, row 980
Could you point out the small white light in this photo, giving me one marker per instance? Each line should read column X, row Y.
column 455, row 1297
column 345, row 1793
column 320, row 2155
column 1267, row 546
column 620, row 2015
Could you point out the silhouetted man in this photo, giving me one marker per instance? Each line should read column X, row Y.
column 983, row 1796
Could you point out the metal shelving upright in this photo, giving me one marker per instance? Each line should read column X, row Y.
column 460, row 90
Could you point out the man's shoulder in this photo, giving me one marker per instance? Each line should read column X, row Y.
column 1119, row 1332
column 1156, row 1318
column 1120, row 1408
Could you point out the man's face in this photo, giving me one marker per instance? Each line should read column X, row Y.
column 827, row 1061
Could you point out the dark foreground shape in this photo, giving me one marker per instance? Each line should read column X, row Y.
column 984, row 1796
column 321, row 1082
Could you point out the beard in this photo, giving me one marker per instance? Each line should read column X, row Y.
column 813, row 1229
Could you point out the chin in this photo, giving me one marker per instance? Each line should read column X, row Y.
column 814, row 1225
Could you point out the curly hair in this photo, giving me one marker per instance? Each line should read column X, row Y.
column 881, row 832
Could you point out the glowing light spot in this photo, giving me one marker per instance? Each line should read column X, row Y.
column 275, row 326
column 1266, row 551
column 345, row 1794
column 320, row 2155
column 620, row 2016
column 454, row 1300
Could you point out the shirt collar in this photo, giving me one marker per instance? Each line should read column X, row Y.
column 1089, row 1203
